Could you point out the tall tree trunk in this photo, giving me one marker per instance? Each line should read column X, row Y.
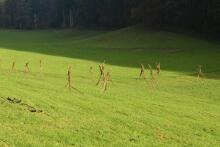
column 35, row 21
column 64, row 19
column 71, row 18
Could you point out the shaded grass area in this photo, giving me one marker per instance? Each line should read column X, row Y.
column 134, row 46
column 179, row 111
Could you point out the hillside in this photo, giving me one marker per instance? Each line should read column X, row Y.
column 175, row 109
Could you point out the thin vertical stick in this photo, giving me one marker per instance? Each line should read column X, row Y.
column 69, row 80
column 13, row 66
column 158, row 69
column 26, row 68
column 153, row 80
column 41, row 66
column 101, row 69
column 142, row 73
column 200, row 73
column 151, row 71
column 106, row 80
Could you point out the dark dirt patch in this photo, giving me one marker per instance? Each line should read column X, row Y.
column 122, row 113
column 21, row 103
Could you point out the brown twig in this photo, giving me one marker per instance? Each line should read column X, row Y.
column 69, row 81
column 26, row 68
column 13, row 66
column 41, row 65
column 106, row 80
column 142, row 72
column 158, row 69
column 101, row 69
column 200, row 73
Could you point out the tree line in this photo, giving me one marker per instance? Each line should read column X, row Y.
column 64, row 13
column 199, row 15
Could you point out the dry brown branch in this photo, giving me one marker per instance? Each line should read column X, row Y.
column 13, row 66
column 151, row 72
column 158, row 69
column 200, row 73
column 69, row 80
column 41, row 65
column 142, row 72
column 106, row 80
column 101, row 69
column 26, row 68
column 153, row 81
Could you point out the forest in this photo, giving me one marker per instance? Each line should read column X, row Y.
column 201, row 16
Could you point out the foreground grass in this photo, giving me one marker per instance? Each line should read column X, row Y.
column 179, row 111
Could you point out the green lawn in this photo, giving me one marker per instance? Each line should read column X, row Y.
column 179, row 111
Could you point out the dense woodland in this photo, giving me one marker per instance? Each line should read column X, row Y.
column 198, row 15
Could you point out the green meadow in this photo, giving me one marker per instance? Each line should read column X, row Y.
column 175, row 109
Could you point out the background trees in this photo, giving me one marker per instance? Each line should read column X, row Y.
column 197, row 15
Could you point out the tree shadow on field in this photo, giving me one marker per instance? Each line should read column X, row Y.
column 126, row 47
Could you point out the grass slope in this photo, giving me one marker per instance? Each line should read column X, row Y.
column 180, row 111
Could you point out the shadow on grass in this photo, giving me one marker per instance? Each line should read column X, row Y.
column 127, row 47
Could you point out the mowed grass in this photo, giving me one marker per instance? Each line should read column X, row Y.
column 178, row 111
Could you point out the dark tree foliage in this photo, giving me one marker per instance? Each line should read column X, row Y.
column 198, row 15
column 64, row 13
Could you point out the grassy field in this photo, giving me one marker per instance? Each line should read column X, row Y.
column 179, row 111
